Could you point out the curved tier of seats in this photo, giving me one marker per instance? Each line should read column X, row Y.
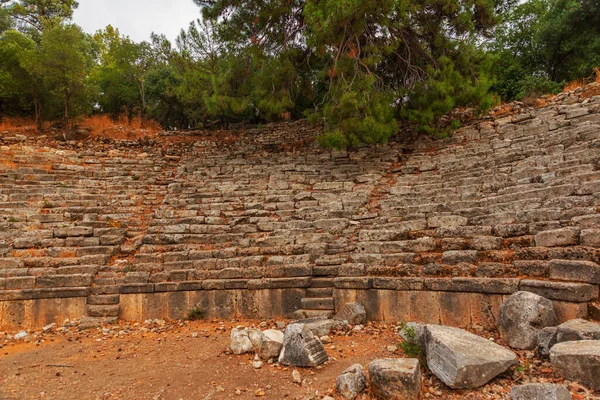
column 268, row 225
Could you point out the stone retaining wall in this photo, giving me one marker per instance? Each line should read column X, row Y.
column 266, row 224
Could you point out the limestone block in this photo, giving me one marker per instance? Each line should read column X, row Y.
column 578, row 361
column 395, row 379
column 463, row 360
column 540, row 391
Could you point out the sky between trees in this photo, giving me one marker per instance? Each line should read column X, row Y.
column 137, row 18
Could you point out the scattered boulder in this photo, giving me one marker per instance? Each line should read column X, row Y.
column 352, row 382
column 578, row 361
column 522, row 316
column 322, row 326
column 546, row 339
column 540, row 391
column 301, row 348
column 244, row 340
column 395, row 379
column 578, row 329
column 49, row 327
column 272, row 342
column 463, row 360
column 21, row 335
column 354, row 313
column 296, row 377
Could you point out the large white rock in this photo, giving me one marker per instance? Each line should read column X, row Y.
column 301, row 348
column 463, row 360
column 272, row 342
column 578, row 361
column 522, row 316
column 245, row 340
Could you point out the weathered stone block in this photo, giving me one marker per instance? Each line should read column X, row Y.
column 565, row 291
column 540, row 391
column 301, row 348
column 395, row 379
column 578, row 271
column 556, row 237
column 463, row 360
column 578, row 361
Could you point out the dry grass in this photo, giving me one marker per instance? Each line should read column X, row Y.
column 97, row 126
column 15, row 123
column 576, row 84
column 122, row 128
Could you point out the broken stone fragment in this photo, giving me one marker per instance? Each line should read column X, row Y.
column 540, row 391
column 354, row 313
column 395, row 379
column 301, row 348
column 272, row 342
column 578, row 361
column 546, row 339
column 352, row 382
column 578, row 329
column 521, row 317
column 463, row 360
column 322, row 326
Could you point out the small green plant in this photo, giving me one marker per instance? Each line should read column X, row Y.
column 12, row 219
column 47, row 204
column 522, row 368
column 195, row 314
column 410, row 346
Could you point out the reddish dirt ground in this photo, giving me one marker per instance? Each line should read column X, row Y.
column 169, row 365
column 189, row 360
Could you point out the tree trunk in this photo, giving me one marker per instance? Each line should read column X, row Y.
column 37, row 106
column 143, row 108
column 67, row 100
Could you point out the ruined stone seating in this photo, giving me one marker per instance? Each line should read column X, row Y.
column 439, row 233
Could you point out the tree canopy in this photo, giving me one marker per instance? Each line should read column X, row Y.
column 358, row 68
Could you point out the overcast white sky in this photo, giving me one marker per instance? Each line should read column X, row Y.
column 137, row 18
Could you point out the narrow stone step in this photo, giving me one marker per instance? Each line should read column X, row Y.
column 319, row 292
column 321, row 303
column 103, row 311
column 103, row 300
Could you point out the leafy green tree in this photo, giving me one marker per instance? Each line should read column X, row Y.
column 367, row 61
column 66, row 56
column 21, row 81
column 544, row 43
column 123, row 72
column 215, row 81
column 35, row 14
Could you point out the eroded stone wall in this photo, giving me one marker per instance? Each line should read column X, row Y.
column 262, row 223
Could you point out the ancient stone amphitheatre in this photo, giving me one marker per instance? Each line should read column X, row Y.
column 178, row 267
